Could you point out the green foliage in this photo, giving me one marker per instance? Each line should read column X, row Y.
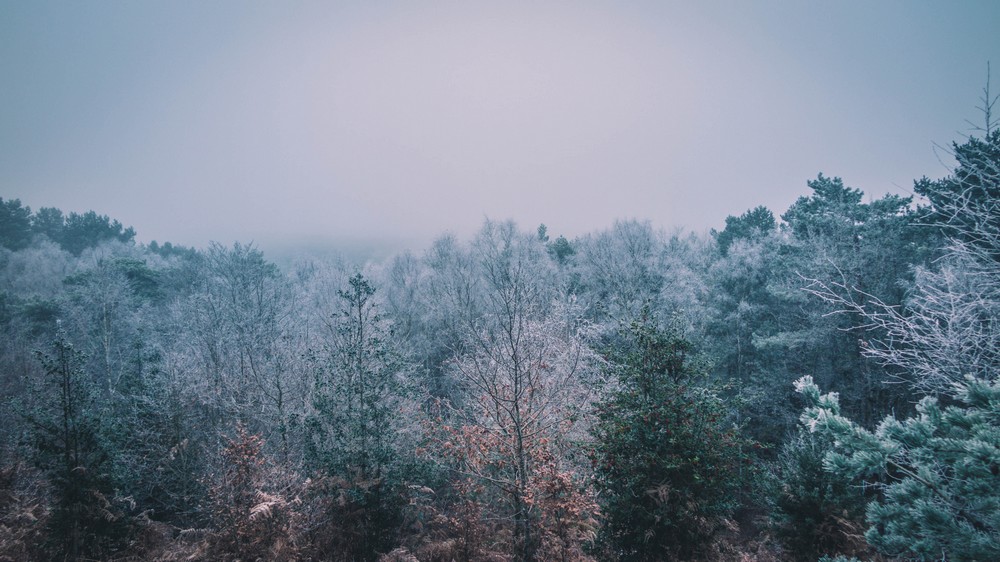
column 357, row 389
column 543, row 233
column 972, row 184
column 881, row 237
column 167, row 250
column 817, row 512
column 154, row 456
column 831, row 208
column 751, row 225
column 762, row 333
column 74, row 232
column 15, row 224
column 49, row 222
column 353, row 434
column 668, row 468
column 142, row 281
column 180, row 343
column 871, row 245
column 939, row 469
column 39, row 315
column 765, row 331
column 560, row 249
column 85, row 520
column 79, row 232
column 870, row 249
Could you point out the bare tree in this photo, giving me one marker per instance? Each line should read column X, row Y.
column 622, row 269
column 988, row 101
column 949, row 328
column 241, row 319
column 523, row 363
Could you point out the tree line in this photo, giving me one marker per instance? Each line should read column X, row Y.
column 819, row 384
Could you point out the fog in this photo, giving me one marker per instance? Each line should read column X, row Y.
column 384, row 125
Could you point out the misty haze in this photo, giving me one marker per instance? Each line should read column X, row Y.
column 462, row 281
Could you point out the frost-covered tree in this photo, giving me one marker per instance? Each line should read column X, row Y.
column 523, row 365
column 940, row 471
column 354, row 430
column 619, row 270
column 65, row 423
column 940, row 468
column 239, row 322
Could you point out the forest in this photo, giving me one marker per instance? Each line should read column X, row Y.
column 821, row 384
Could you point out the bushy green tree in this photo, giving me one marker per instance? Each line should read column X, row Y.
column 871, row 247
column 358, row 388
column 48, row 222
column 154, row 453
column 561, row 249
column 82, row 231
column 939, row 468
column 817, row 513
column 353, row 434
column 15, row 224
column 973, row 183
column 86, row 522
column 669, row 467
column 940, row 471
column 751, row 225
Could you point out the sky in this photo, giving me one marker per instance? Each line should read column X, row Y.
column 390, row 123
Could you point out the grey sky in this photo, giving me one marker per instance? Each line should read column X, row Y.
column 285, row 122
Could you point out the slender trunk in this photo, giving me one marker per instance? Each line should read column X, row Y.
column 522, row 522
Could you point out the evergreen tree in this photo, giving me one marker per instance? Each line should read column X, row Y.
column 751, row 225
column 870, row 247
column 90, row 229
column 940, row 471
column 973, row 184
column 15, row 224
column 49, row 222
column 85, row 521
column 669, row 468
column 353, row 434
column 817, row 513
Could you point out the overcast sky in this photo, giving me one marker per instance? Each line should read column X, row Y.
column 305, row 122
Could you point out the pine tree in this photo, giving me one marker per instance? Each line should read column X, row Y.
column 354, row 430
column 940, row 471
column 817, row 513
column 69, row 448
